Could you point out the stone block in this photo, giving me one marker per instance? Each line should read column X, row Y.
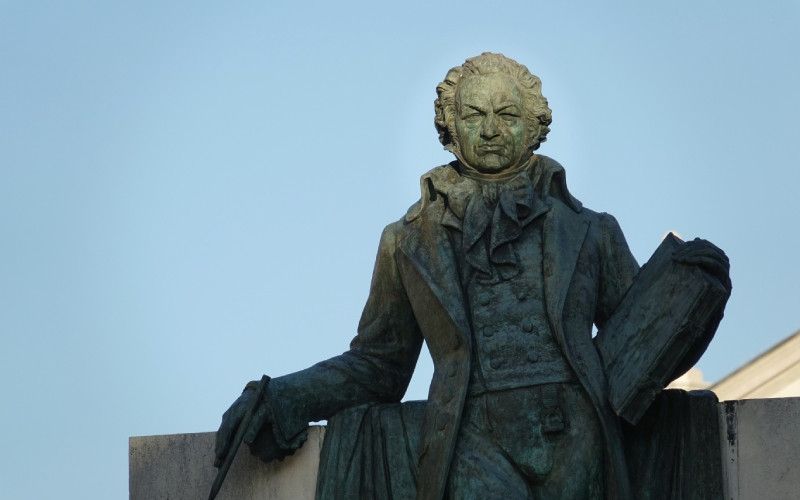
column 761, row 448
column 180, row 466
column 760, row 440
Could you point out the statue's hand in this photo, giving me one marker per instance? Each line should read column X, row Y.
column 231, row 420
column 259, row 434
column 708, row 256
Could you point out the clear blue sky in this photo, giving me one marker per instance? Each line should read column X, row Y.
column 191, row 193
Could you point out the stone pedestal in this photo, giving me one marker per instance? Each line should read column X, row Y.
column 761, row 448
column 760, row 442
column 180, row 467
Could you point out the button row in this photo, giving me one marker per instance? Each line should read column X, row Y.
column 499, row 361
column 484, row 299
column 527, row 327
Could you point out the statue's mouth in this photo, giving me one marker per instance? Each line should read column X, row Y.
column 491, row 148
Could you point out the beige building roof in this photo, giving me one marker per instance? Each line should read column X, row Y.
column 773, row 374
column 690, row 381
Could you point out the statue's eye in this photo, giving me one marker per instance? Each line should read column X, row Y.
column 471, row 118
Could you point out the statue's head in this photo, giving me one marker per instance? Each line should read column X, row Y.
column 490, row 113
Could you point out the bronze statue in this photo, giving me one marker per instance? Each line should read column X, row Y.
column 503, row 273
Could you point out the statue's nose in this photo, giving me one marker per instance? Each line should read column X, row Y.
column 489, row 129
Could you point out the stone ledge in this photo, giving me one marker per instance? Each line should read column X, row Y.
column 180, row 466
column 761, row 448
column 760, row 441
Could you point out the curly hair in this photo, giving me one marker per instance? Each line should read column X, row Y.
column 537, row 113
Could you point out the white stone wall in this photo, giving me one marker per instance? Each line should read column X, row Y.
column 759, row 438
column 761, row 448
column 180, row 467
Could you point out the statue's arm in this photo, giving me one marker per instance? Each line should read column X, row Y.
column 618, row 268
column 377, row 368
column 379, row 364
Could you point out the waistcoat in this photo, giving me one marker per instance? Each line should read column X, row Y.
column 514, row 345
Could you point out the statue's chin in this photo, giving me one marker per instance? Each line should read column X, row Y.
column 494, row 166
column 493, row 169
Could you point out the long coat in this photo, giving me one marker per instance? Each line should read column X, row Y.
column 416, row 295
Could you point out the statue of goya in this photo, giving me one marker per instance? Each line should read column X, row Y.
column 503, row 273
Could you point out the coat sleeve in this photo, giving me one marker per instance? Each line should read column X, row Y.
column 378, row 366
column 617, row 269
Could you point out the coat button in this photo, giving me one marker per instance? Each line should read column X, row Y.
column 527, row 325
column 449, row 394
column 456, row 341
column 496, row 363
column 452, row 369
column 484, row 300
column 488, row 331
column 442, row 420
column 522, row 295
column 533, row 356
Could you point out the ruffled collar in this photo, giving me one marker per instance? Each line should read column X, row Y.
column 491, row 215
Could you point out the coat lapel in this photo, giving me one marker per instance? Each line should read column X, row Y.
column 430, row 251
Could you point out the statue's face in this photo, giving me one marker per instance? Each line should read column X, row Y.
column 490, row 124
